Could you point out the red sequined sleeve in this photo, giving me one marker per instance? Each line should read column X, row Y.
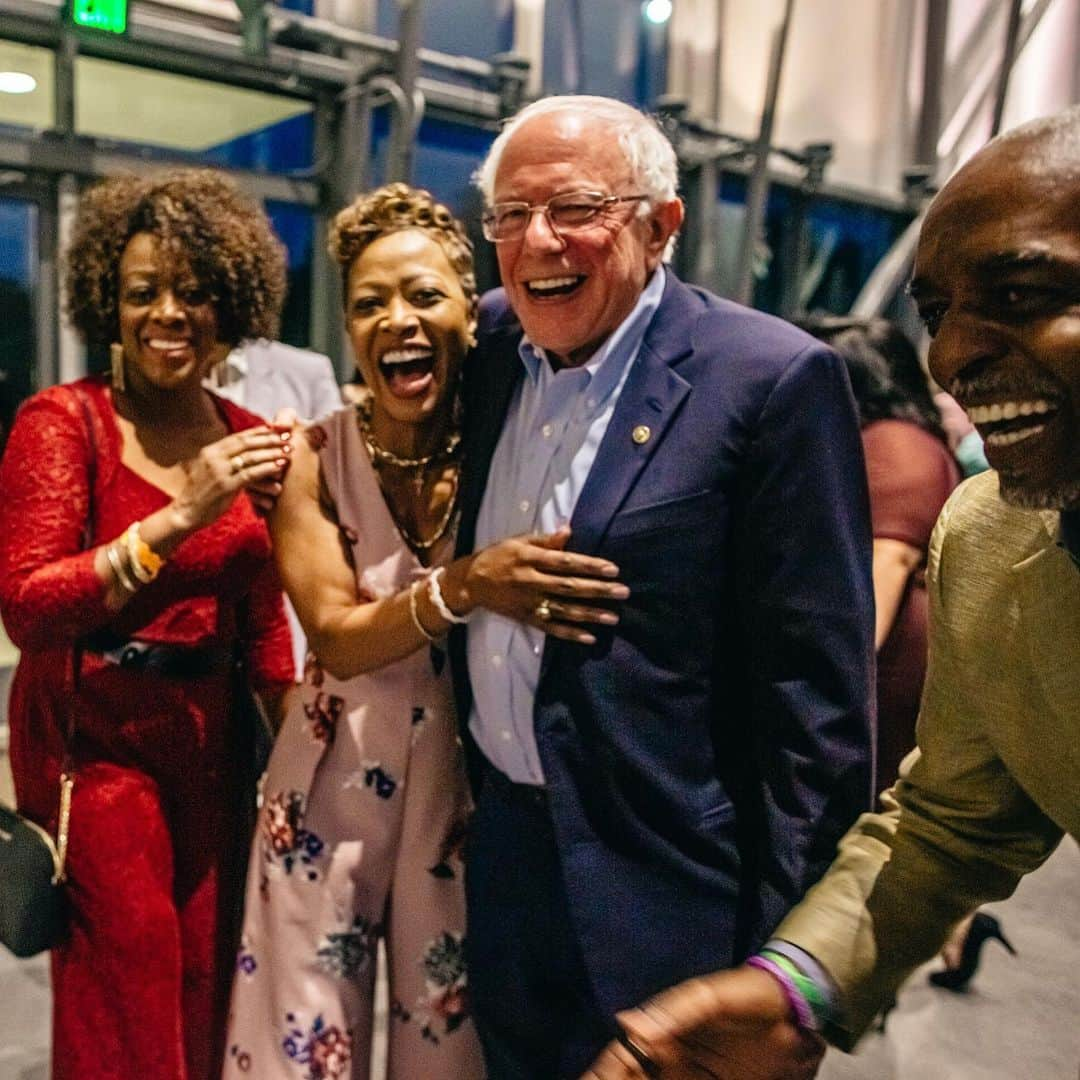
column 49, row 591
column 268, row 640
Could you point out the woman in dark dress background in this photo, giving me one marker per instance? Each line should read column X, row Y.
column 911, row 473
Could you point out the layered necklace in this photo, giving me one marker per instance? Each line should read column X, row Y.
column 417, row 466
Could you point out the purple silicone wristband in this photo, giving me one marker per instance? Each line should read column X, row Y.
column 804, row 1015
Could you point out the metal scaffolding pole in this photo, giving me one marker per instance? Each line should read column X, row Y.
column 406, row 120
column 757, row 189
column 1008, row 58
column 937, row 23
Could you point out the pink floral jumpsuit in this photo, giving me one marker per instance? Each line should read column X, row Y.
column 359, row 838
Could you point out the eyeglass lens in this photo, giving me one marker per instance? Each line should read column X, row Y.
column 564, row 212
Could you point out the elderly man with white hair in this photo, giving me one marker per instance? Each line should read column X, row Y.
column 658, row 781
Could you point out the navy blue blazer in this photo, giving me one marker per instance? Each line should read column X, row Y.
column 705, row 755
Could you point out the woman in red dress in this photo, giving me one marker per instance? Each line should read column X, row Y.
column 124, row 527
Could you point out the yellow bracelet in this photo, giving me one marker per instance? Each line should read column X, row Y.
column 145, row 562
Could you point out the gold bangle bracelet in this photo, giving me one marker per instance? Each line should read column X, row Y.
column 118, row 569
column 145, row 562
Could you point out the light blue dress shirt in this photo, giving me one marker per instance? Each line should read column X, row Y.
column 549, row 441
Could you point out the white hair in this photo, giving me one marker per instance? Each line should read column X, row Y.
column 651, row 157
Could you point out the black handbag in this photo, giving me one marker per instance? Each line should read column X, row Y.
column 33, row 900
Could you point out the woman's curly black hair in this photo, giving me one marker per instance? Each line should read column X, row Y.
column 395, row 207
column 887, row 379
column 205, row 222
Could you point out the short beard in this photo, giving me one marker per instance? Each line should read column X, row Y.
column 1062, row 496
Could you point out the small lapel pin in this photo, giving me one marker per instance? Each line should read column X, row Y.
column 641, row 434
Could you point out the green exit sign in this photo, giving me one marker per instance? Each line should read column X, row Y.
column 107, row 15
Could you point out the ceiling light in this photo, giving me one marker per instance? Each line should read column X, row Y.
column 657, row 11
column 17, row 82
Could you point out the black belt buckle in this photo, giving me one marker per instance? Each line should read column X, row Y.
column 169, row 660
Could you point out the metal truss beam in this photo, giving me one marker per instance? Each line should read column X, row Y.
column 297, row 62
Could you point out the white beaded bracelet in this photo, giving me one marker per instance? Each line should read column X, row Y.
column 413, row 588
column 435, row 593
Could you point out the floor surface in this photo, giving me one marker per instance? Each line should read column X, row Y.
column 1020, row 1022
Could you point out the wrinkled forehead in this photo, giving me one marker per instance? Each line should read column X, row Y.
column 563, row 148
column 1008, row 197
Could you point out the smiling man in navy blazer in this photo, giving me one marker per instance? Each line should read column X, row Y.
column 652, row 795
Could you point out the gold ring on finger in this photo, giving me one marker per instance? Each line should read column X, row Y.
column 543, row 610
column 640, row 1055
column 238, row 463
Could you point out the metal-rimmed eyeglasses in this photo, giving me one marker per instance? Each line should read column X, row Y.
column 565, row 213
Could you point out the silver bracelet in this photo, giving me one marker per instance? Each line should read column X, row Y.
column 435, row 593
column 418, row 584
column 118, row 570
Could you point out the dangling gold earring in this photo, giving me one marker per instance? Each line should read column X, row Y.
column 116, row 364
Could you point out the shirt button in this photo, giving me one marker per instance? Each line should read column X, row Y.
column 496, row 660
column 505, row 735
column 536, row 650
column 547, row 429
column 523, row 506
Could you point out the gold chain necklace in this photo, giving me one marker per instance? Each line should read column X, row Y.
column 440, row 530
column 380, row 455
column 383, row 456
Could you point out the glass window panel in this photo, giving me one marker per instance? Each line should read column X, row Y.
column 18, row 278
column 35, row 109
column 153, row 108
column 296, row 227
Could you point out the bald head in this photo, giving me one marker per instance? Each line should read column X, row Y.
column 997, row 281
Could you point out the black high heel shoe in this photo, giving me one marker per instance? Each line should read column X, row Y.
column 983, row 928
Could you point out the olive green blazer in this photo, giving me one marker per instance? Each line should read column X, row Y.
column 996, row 781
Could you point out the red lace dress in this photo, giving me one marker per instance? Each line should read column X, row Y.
column 140, row 987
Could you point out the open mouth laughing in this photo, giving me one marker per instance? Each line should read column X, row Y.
column 407, row 372
column 1007, row 422
column 551, row 287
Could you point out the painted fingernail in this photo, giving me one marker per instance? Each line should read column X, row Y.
column 281, row 463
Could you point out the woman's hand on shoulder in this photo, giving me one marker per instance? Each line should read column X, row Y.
column 533, row 579
column 255, row 459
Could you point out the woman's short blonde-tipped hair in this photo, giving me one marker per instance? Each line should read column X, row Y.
column 394, row 208
column 204, row 222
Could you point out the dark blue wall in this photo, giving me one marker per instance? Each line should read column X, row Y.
column 477, row 28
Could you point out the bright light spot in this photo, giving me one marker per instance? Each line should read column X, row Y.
column 657, row 11
column 17, row 82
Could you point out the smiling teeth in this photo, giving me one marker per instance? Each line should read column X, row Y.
column 1008, row 410
column 1007, row 438
column 166, row 346
column 405, row 356
column 552, row 283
